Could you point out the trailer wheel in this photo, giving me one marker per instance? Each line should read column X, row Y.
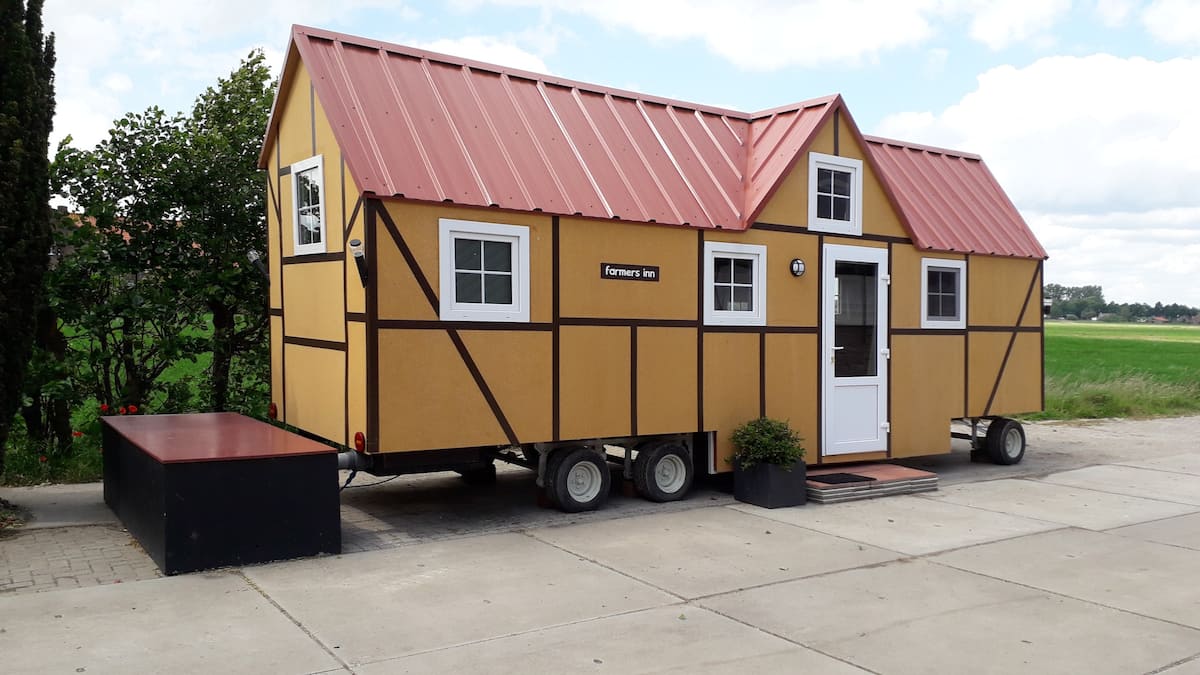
column 663, row 472
column 580, row 480
column 1005, row 441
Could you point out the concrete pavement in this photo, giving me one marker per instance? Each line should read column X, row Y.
column 1087, row 567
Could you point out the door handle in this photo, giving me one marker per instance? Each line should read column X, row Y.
column 833, row 354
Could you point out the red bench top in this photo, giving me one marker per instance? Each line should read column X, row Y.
column 208, row 437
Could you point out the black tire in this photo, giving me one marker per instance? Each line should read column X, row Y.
column 579, row 480
column 663, row 472
column 1005, row 442
column 479, row 475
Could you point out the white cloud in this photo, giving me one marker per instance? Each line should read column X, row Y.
column 1174, row 21
column 999, row 24
column 1099, row 153
column 770, row 34
column 489, row 49
column 1114, row 13
column 118, row 82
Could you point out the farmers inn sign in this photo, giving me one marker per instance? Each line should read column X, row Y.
column 628, row 272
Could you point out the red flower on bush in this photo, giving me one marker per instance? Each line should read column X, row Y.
column 42, row 459
column 121, row 410
column 103, row 407
column 77, row 434
column 133, row 410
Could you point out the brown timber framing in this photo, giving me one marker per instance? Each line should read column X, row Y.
column 797, row 229
column 1012, row 339
column 465, row 354
column 700, row 335
column 633, row 380
column 345, row 305
column 555, row 349
column 313, row 342
column 370, row 228
column 282, row 298
column 820, row 379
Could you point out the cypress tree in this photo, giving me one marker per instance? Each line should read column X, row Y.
column 26, row 112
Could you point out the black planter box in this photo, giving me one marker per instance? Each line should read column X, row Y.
column 770, row 485
column 217, row 489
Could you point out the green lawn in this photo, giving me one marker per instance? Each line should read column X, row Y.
column 1121, row 370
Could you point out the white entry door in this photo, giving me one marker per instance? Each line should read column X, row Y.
column 854, row 338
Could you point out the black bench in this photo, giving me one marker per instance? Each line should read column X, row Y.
column 216, row 489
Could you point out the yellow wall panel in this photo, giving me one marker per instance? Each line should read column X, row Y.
column 401, row 298
column 1021, row 389
column 996, row 289
column 932, row 366
column 594, row 382
column 666, row 380
column 730, row 387
column 792, row 385
column 356, row 374
column 295, row 121
column 516, row 366
column 791, row 301
column 315, row 396
column 878, row 215
column 312, row 302
column 906, row 284
column 427, row 397
column 356, row 297
column 588, row 243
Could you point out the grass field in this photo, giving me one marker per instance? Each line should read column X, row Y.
column 1120, row 370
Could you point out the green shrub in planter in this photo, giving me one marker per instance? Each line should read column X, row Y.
column 768, row 465
column 766, row 441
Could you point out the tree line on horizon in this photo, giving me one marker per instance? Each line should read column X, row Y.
column 1087, row 302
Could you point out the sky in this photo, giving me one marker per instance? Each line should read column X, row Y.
column 1087, row 111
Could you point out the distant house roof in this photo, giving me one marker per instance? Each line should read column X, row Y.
column 426, row 126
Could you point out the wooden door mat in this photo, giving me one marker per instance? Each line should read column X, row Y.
column 869, row 481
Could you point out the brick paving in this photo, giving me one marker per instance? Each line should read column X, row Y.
column 49, row 559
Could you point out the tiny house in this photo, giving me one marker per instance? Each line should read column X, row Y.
column 471, row 263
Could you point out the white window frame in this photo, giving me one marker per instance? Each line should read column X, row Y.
column 318, row 163
column 818, row 160
column 517, row 235
column 755, row 252
column 961, row 267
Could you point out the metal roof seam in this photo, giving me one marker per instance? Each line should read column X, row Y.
column 426, row 160
column 369, row 146
column 487, row 118
column 541, row 87
column 611, row 157
column 736, row 168
column 675, row 160
column 537, row 144
column 740, row 139
column 671, row 112
column 621, row 172
column 946, row 229
column 637, row 150
column 462, row 146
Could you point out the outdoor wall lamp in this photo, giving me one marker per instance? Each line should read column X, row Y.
column 797, row 267
column 255, row 259
column 360, row 260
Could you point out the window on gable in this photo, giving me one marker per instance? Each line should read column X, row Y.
column 835, row 194
column 484, row 271
column 735, row 280
column 308, row 216
column 943, row 293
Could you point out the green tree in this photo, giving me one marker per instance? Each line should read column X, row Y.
column 223, row 208
column 26, row 112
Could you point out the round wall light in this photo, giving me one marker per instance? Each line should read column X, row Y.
column 797, row 267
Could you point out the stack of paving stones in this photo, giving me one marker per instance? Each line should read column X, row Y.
column 867, row 481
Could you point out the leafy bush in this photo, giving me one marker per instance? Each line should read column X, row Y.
column 766, row 441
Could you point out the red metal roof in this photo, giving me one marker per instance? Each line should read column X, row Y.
column 430, row 127
column 951, row 201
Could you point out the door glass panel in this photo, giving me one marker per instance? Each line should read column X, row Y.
column 855, row 329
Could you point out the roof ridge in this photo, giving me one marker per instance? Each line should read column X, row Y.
column 589, row 87
column 880, row 140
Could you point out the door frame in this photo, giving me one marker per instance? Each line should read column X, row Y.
column 830, row 256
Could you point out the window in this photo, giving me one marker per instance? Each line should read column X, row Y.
column 735, row 280
column 484, row 271
column 834, row 194
column 943, row 293
column 308, row 190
